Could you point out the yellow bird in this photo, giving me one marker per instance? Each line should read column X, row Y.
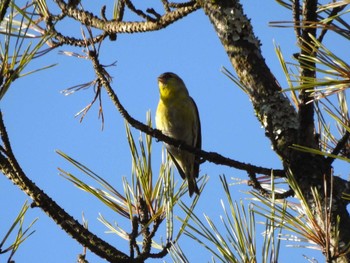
column 177, row 117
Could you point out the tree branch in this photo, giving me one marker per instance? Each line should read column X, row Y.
column 330, row 19
column 111, row 26
column 339, row 147
column 306, row 108
column 296, row 18
column 66, row 40
column 282, row 124
column 4, row 5
column 254, row 182
column 272, row 107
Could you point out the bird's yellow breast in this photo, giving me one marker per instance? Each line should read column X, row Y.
column 176, row 118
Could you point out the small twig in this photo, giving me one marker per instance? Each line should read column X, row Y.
column 133, row 236
column 162, row 253
column 284, row 195
column 112, row 36
column 65, row 40
column 147, row 242
column 103, row 13
column 334, row 12
column 257, row 186
column 150, row 235
column 340, row 146
column 166, row 5
column 144, row 218
column 139, row 12
column 153, row 12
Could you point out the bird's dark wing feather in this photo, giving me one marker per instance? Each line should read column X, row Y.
column 181, row 172
column 198, row 143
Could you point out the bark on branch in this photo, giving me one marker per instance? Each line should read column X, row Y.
column 113, row 26
column 272, row 108
column 281, row 121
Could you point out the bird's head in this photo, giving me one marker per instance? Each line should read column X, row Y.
column 171, row 85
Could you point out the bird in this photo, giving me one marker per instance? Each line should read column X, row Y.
column 177, row 117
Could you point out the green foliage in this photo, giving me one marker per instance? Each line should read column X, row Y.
column 327, row 90
column 237, row 241
column 146, row 201
column 299, row 225
column 20, row 235
column 19, row 27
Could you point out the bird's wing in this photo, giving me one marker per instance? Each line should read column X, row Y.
column 179, row 168
column 198, row 142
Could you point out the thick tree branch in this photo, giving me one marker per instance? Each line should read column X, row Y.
column 282, row 124
column 272, row 108
column 112, row 26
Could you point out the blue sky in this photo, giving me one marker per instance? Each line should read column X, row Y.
column 39, row 120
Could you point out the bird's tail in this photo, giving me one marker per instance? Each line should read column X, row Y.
column 192, row 186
